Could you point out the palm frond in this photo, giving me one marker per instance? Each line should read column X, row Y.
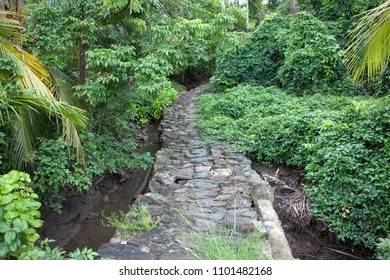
column 369, row 52
column 22, row 139
column 30, row 108
column 10, row 26
column 32, row 73
column 64, row 88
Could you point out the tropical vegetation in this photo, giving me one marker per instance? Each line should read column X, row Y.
column 285, row 96
column 304, row 83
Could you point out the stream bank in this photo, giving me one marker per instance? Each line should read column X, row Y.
column 309, row 239
column 79, row 224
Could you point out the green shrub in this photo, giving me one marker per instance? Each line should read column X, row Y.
column 258, row 61
column 349, row 172
column 136, row 221
column 58, row 170
column 383, row 249
column 19, row 216
column 302, row 57
column 342, row 143
column 312, row 59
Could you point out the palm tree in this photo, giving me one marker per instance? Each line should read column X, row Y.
column 34, row 97
column 369, row 53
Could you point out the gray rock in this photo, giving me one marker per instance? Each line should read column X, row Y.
column 123, row 252
column 202, row 175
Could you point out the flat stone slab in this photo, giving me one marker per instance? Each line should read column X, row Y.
column 110, row 251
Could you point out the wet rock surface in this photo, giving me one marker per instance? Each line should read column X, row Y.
column 194, row 188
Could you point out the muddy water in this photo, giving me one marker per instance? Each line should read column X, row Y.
column 91, row 232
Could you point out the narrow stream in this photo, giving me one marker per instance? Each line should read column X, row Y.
column 91, row 232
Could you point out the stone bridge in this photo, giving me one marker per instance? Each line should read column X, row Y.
column 197, row 187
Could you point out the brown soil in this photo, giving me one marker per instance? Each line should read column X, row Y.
column 82, row 209
column 309, row 239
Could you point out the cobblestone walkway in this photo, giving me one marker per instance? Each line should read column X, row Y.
column 197, row 187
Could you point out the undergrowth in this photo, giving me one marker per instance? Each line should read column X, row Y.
column 136, row 221
column 342, row 143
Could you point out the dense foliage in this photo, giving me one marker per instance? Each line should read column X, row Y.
column 259, row 60
column 19, row 219
column 341, row 141
column 79, row 77
column 113, row 59
column 298, row 54
column 312, row 59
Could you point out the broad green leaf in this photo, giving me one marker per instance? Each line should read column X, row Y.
column 4, row 227
column 3, row 250
column 13, row 247
column 9, row 237
column 11, row 215
column 36, row 223
column 32, row 237
column 5, row 199
column 7, row 188
column 20, row 225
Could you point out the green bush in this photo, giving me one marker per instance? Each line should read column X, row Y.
column 312, row 59
column 349, row 169
column 383, row 249
column 301, row 57
column 19, row 219
column 341, row 141
column 58, row 170
column 258, row 61
column 19, row 216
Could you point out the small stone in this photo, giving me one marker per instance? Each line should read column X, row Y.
column 185, row 173
column 199, row 159
column 138, row 240
column 233, row 162
column 249, row 214
column 156, row 210
column 194, row 208
column 211, row 203
column 183, row 190
column 203, row 194
column 202, row 175
column 115, row 240
column 145, row 199
column 202, row 168
column 106, row 198
column 223, row 172
column 158, row 249
column 240, row 178
column 232, row 190
column 215, row 217
column 224, row 197
column 205, row 184
column 199, row 152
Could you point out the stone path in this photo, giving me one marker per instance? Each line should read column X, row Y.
column 197, row 188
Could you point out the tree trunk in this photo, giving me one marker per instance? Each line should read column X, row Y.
column 82, row 63
column 294, row 4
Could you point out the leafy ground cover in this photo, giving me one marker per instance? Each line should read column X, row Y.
column 342, row 143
